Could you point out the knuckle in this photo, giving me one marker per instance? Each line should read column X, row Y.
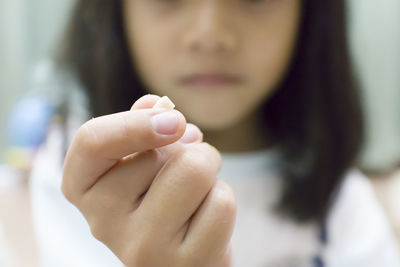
column 66, row 192
column 127, row 127
column 212, row 152
column 66, row 189
column 197, row 166
column 103, row 228
column 196, row 162
column 97, row 229
column 98, row 214
column 66, row 181
column 86, row 139
column 224, row 199
column 107, row 226
column 202, row 159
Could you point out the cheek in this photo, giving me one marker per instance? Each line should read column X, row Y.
column 150, row 47
column 268, row 63
column 147, row 53
column 269, row 55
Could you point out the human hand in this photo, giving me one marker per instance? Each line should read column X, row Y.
column 152, row 200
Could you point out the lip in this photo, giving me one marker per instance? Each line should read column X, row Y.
column 208, row 80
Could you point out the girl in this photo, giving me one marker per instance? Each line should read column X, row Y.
column 270, row 85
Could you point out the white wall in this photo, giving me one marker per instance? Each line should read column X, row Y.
column 375, row 36
column 28, row 31
column 12, row 54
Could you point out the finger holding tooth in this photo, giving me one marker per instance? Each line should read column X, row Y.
column 164, row 102
column 192, row 133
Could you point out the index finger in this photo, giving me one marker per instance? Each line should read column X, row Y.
column 101, row 142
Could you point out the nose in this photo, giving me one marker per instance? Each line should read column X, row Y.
column 208, row 32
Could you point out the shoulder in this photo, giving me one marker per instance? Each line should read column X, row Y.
column 359, row 233
column 356, row 210
column 355, row 192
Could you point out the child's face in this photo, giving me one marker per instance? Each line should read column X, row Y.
column 251, row 41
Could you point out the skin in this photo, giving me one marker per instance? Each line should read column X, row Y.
column 152, row 198
column 254, row 40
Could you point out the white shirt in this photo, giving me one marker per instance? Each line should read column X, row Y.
column 357, row 230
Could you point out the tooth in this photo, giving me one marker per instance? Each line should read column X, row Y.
column 164, row 102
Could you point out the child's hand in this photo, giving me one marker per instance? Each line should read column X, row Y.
column 151, row 207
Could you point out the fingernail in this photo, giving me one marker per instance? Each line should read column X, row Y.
column 192, row 134
column 165, row 123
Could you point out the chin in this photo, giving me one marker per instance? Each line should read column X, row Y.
column 214, row 123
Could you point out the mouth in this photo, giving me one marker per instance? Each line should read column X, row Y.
column 211, row 80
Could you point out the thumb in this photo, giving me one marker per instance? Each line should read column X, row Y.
column 101, row 142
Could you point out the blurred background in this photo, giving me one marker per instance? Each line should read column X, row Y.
column 29, row 31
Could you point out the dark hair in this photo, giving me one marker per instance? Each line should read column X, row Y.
column 314, row 117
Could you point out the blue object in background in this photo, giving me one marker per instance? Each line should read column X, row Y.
column 28, row 122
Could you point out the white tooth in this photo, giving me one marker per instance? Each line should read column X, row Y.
column 164, row 102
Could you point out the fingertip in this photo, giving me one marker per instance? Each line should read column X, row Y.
column 192, row 134
column 182, row 123
column 168, row 124
column 146, row 101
